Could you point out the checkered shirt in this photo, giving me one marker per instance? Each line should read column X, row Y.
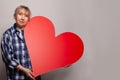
column 15, row 52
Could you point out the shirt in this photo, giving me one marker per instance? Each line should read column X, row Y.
column 15, row 52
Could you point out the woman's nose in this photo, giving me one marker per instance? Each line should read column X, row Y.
column 23, row 17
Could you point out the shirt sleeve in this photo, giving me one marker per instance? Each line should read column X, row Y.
column 7, row 50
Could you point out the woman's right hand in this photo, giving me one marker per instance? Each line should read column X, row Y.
column 28, row 72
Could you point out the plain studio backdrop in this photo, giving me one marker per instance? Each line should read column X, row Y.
column 97, row 22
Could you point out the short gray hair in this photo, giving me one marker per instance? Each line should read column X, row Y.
column 22, row 7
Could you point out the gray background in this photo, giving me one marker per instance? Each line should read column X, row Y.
column 97, row 22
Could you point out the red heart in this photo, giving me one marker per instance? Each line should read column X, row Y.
column 48, row 52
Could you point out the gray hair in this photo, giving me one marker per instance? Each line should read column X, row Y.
column 22, row 7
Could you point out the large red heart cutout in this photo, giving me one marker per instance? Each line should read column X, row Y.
column 47, row 51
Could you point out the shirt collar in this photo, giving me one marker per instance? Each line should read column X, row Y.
column 16, row 30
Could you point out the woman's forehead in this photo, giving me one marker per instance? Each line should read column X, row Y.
column 22, row 10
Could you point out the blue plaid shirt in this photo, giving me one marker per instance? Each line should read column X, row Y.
column 14, row 53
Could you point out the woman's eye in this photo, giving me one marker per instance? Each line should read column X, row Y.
column 20, row 13
column 25, row 15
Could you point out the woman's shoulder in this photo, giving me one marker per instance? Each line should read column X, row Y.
column 9, row 31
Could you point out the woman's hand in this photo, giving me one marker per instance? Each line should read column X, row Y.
column 28, row 72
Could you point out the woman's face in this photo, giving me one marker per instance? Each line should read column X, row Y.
column 22, row 16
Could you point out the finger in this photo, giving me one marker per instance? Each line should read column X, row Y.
column 32, row 75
